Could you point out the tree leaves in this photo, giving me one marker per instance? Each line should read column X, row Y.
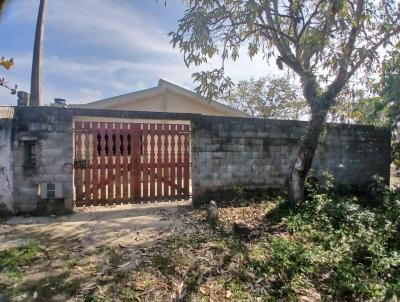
column 212, row 83
column 324, row 42
column 7, row 63
column 306, row 35
column 268, row 97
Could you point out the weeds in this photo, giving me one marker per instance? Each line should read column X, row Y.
column 330, row 248
column 13, row 259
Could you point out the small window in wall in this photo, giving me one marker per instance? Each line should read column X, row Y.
column 29, row 154
column 51, row 190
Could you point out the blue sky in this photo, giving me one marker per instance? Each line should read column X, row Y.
column 96, row 49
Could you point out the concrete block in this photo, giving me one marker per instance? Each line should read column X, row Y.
column 54, row 153
column 226, row 176
column 205, row 140
column 218, row 155
column 213, row 147
column 205, row 155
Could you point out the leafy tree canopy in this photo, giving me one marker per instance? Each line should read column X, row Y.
column 324, row 42
column 268, row 97
column 383, row 108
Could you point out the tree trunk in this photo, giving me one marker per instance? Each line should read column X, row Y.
column 305, row 156
column 36, row 81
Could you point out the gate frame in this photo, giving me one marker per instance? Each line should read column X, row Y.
column 186, row 179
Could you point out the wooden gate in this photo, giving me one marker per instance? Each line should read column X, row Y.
column 119, row 163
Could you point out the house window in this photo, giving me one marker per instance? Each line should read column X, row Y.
column 29, row 154
column 51, row 190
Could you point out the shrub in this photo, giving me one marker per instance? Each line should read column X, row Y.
column 360, row 243
column 376, row 192
column 319, row 183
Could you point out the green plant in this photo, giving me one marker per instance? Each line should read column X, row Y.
column 319, row 183
column 13, row 259
column 376, row 191
column 238, row 193
column 129, row 295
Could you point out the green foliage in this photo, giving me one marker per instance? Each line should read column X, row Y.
column 389, row 88
column 212, row 82
column 383, row 109
column 268, row 97
column 92, row 297
column 355, row 246
column 321, row 41
column 322, row 182
column 238, row 193
column 325, row 43
column 129, row 295
column 288, row 258
column 353, row 106
column 376, row 191
column 396, row 153
column 115, row 256
column 13, row 259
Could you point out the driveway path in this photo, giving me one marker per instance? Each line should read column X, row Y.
column 94, row 226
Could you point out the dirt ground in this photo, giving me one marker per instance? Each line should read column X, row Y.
column 95, row 251
column 125, row 225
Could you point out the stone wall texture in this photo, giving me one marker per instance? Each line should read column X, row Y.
column 6, row 175
column 226, row 152
column 258, row 153
column 51, row 130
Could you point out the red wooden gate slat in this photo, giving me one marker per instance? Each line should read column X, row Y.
column 152, row 162
column 88, row 190
column 135, row 157
column 172, row 162
column 186, row 161
column 110, row 164
column 179, row 161
column 166, row 161
column 145, row 169
column 159, row 162
column 102, row 132
column 125, row 178
column 118, row 147
column 95, row 163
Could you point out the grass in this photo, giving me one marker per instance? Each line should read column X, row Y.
column 13, row 259
column 331, row 248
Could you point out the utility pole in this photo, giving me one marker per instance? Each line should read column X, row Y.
column 36, row 77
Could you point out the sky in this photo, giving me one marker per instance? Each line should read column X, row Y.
column 95, row 49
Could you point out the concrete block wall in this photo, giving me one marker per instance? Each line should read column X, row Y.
column 226, row 152
column 6, row 174
column 258, row 153
column 51, row 131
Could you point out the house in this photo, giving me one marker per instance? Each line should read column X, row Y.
column 166, row 97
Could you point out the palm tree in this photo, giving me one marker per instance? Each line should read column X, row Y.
column 35, row 99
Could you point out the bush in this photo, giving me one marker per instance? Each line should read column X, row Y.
column 359, row 238
column 319, row 183
column 376, row 192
